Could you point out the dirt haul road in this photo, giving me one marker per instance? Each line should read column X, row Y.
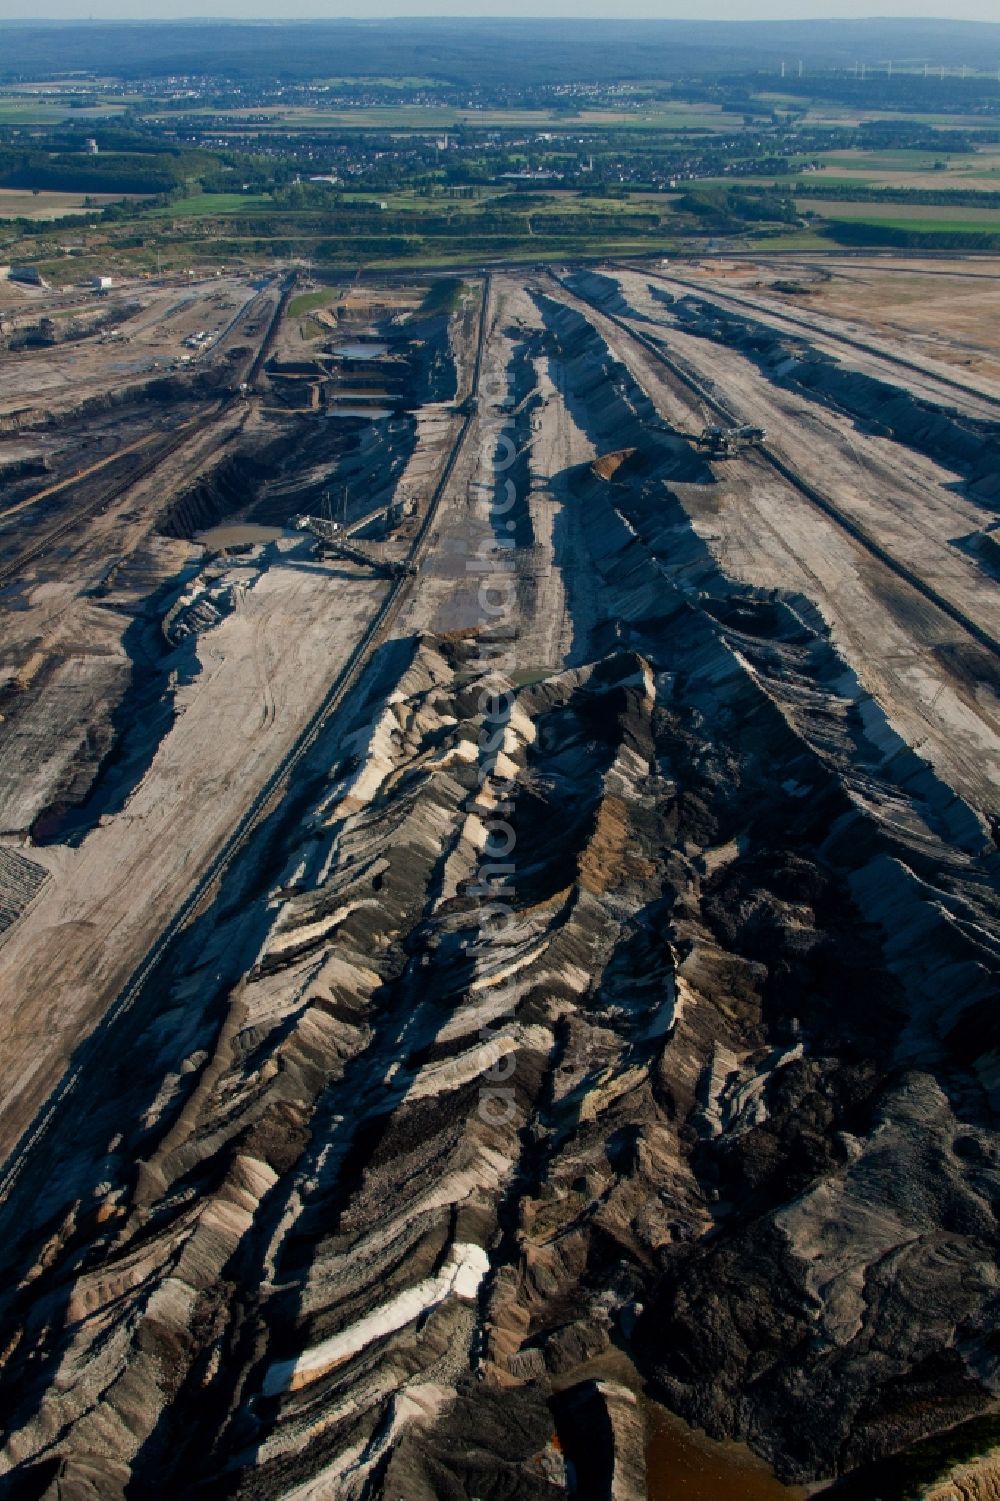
column 938, row 687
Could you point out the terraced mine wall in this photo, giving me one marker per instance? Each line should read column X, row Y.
column 252, row 374
column 167, row 389
column 248, row 484
column 943, row 434
column 434, row 377
column 221, row 493
column 20, row 469
column 46, row 333
column 113, row 708
column 372, row 1181
column 120, row 745
column 161, row 659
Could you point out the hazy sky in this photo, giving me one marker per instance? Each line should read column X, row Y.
column 78, row 10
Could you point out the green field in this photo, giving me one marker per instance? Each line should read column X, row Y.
column 908, row 216
column 536, row 201
column 888, row 161
column 34, row 112
column 203, row 205
column 824, row 113
column 940, row 215
column 307, row 301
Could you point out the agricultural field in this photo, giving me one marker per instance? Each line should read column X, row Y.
column 17, row 203
column 308, row 302
column 201, row 205
column 911, row 216
column 23, row 112
column 978, row 169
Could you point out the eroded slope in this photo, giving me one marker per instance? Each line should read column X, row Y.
column 640, row 1001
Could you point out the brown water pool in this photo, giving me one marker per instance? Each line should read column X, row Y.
column 239, row 534
column 683, row 1465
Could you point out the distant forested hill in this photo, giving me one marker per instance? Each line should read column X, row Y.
column 493, row 53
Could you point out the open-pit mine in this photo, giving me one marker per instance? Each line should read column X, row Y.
column 498, row 919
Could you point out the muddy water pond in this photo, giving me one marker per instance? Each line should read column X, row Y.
column 683, row 1465
column 238, row 534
